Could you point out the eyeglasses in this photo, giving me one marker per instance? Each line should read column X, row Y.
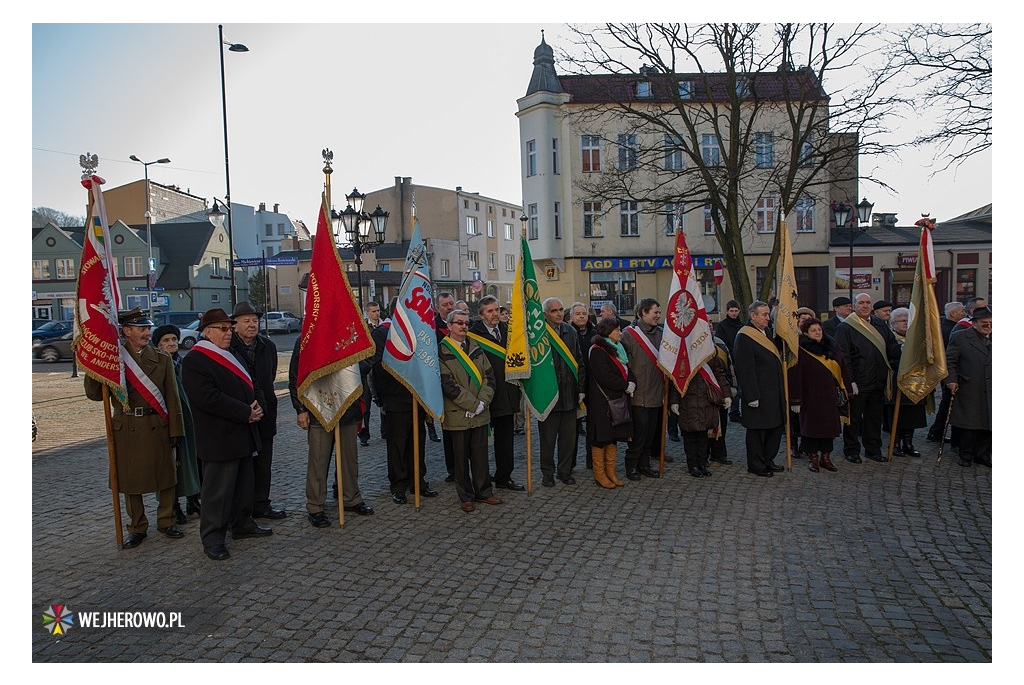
column 459, row 322
column 222, row 329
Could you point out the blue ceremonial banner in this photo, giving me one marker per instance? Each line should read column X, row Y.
column 410, row 354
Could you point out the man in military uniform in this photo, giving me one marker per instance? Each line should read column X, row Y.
column 146, row 432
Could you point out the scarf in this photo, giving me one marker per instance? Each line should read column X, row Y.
column 620, row 351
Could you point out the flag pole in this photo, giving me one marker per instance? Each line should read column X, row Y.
column 895, row 419
column 664, row 422
column 529, row 450
column 337, row 474
column 786, row 410
column 416, row 452
column 945, row 427
column 112, row 460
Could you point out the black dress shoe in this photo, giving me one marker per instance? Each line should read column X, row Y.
column 763, row 474
column 252, row 532
column 363, row 509
column 633, row 474
column 193, row 505
column 319, row 519
column 932, row 437
column 450, row 478
column 772, row 466
column 364, row 442
column 673, row 438
column 723, row 460
column 852, row 458
column 695, row 472
column 217, row 552
column 427, row 492
column 270, row 513
column 876, row 457
column 179, row 515
column 649, row 472
column 547, row 481
column 511, row 485
column 959, row 460
column 398, row 498
column 133, row 540
column 704, row 471
column 568, row 480
column 172, row 532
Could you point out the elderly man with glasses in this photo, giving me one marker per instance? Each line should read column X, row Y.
column 560, row 425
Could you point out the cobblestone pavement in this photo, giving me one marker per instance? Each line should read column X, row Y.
column 875, row 563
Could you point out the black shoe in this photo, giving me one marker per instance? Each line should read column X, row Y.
column 704, row 471
column 518, row 431
column 673, row 438
column 763, row 474
column 192, row 505
column 909, row 449
column 510, row 485
column 427, row 492
column 669, row 459
column 217, row 552
column 363, row 509
column 772, row 466
column 398, row 499
column 334, row 491
column 876, row 457
column 172, row 532
column 632, row 474
column 270, row 513
column 365, row 442
column 695, row 472
column 568, row 480
column 933, row 437
column 649, row 472
column 450, row 478
column 983, row 462
column 319, row 519
column 255, row 531
column 432, row 433
column 721, row 460
column 547, row 481
column 179, row 515
column 133, row 540
column 852, row 458
column 959, row 460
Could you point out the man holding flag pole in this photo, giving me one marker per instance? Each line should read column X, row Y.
column 787, row 324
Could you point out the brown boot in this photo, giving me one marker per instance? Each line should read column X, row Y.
column 812, row 462
column 598, row 455
column 611, row 455
column 826, row 462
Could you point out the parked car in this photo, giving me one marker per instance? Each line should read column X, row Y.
column 36, row 323
column 282, row 322
column 179, row 319
column 54, row 349
column 189, row 335
column 50, row 330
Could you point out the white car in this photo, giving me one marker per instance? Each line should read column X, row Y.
column 282, row 322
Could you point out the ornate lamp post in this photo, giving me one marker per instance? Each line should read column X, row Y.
column 841, row 213
column 151, row 273
column 353, row 228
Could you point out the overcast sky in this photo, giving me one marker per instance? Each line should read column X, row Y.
column 436, row 102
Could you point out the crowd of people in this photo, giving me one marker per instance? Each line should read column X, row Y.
column 202, row 426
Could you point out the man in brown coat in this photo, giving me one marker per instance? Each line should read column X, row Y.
column 145, row 434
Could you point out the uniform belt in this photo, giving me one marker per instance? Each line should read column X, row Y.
column 137, row 411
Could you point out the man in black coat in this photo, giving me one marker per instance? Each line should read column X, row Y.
column 396, row 405
column 492, row 336
column 758, row 366
column 867, row 345
column 260, row 356
column 226, row 406
column 842, row 307
column 954, row 312
column 559, row 428
column 727, row 329
column 969, row 360
column 578, row 317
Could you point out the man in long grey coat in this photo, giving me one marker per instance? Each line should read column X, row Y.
column 969, row 362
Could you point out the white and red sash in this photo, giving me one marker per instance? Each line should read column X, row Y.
column 645, row 343
column 224, row 358
column 142, row 383
column 615, row 359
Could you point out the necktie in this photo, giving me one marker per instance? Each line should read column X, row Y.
column 496, row 335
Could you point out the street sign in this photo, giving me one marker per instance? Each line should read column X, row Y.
column 373, row 288
column 142, row 288
column 282, row 261
column 249, row 261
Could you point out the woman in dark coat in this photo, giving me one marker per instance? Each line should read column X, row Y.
column 813, row 384
column 699, row 413
column 610, row 378
column 911, row 415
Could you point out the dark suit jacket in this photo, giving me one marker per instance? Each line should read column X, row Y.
column 220, row 403
column 759, row 374
column 506, row 395
column 263, row 369
column 969, row 361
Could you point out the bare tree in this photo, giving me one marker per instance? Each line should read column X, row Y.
column 722, row 88
column 58, row 217
column 948, row 67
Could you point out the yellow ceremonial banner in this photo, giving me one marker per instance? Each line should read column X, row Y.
column 786, row 319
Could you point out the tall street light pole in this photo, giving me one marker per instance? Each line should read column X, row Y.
column 356, row 224
column 841, row 213
column 233, row 47
column 151, row 272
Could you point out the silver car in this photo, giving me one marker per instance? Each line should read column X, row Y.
column 282, row 322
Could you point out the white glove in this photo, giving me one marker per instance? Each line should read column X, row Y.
column 674, row 408
column 479, row 408
column 727, row 402
column 470, row 414
column 580, row 401
column 795, row 408
column 753, row 404
column 630, row 387
column 853, row 386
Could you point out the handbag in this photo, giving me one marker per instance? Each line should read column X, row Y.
column 618, row 409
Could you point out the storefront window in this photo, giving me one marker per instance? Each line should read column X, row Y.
column 965, row 284
column 617, row 287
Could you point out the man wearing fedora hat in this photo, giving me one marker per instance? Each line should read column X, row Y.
column 842, row 307
column 260, row 355
column 226, row 407
column 145, row 432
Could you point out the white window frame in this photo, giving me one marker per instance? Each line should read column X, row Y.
column 709, row 223
column 554, row 155
column 673, row 146
column 472, row 227
column 710, row 150
column 629, row 151
column 590, row 156
column 629, row 219
column 685, row 90
column 531, row 158
column 807, row 151
column 473, row 259
column 533, row 225
column 643, row 89
column 510, row 262
column 764, row 150
column 557, row 220
column 764, row 214
column 674, row 215
column 65, row 268
column 133, row 266
column 40, row 269
column 445, row 268
column 592, row 215
column 215, row 266
column 805, row 215
column 490, row 228
column 510, row 232
column 492, row 261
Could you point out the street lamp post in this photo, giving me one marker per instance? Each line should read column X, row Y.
column 841, row 212
column 151, row 273
column 356, row 225
column 233, row 47
column 217, row 216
